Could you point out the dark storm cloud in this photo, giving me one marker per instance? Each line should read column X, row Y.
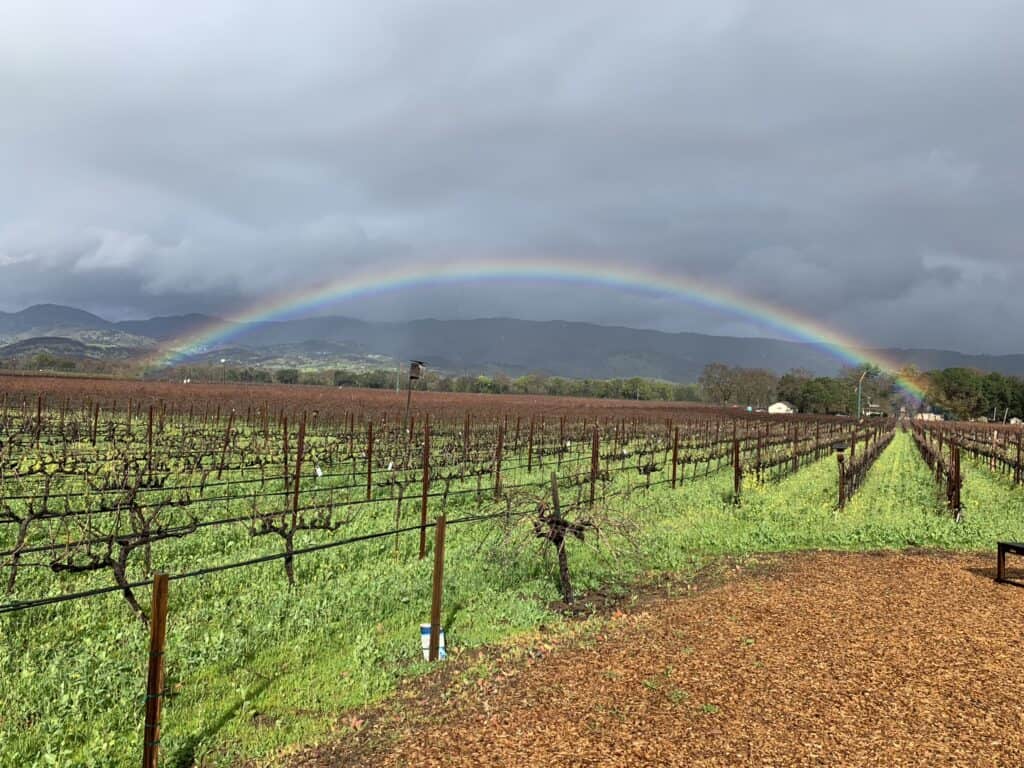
column 856, row 162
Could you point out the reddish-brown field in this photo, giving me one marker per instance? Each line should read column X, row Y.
column 328, row 400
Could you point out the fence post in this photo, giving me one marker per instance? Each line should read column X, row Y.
column 842, row 479
column 149, row 444
column 369, row 461
column 675, row 454
column 155, row 677
column 595, row 458
column 438, row 588
column 737, row 471
column 497, row 462
column 227, row 440
column 529, row 450
column 426, row 487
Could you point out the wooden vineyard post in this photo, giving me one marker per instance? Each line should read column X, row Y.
column 149, row 444
column 529, row 449
column 95, row 421
column 437, row 591
column 675, row 455
column 39, row 418
column 227, row 440
column 841, row 458
column 369, row 461
column 284, row 449
column 426, row 487
column 595, row 458
column 155, row 677
column 497, row 462
column 737, row 471
column 1018, row 470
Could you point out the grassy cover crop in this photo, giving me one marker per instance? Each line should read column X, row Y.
column 255, row 664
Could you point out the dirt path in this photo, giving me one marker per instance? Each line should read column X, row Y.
column 851, row 660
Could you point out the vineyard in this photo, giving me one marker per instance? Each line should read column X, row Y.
column 297, row 529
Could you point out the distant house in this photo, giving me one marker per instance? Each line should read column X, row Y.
column 781, row 407
column 1015, row 420
column 929, row 417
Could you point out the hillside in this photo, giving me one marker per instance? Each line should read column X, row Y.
column 572, row 349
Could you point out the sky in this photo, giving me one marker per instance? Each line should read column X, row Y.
column 860, row 163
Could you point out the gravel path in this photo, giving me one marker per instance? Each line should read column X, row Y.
column 833, row 660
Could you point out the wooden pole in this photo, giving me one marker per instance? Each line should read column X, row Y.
column 675, row 455
column 842, row 480
column 369, row 461
column 529, row 450
column 595, row 457
column 227, row 440
column 497, row 462
column 438, row 588
column 426, row 487
column 155, row 677
column 737, row 470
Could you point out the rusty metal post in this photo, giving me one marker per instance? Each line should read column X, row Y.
column 155, row 676
column 438, row 589
column 426, row 487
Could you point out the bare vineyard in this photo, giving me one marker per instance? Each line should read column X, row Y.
column 93, row 487
column 120, row 495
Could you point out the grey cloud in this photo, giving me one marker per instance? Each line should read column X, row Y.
column 855, row 162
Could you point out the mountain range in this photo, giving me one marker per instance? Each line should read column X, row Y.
column 488, row 345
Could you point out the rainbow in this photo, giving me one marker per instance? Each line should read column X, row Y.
column 781, row 320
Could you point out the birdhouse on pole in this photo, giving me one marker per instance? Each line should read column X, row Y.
column 415, row 369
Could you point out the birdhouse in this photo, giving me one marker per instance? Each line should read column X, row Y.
column 415, row 369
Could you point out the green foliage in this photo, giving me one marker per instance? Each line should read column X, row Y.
column 286, row 376
column 965, row 393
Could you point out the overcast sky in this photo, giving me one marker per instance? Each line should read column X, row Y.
column 862, row 163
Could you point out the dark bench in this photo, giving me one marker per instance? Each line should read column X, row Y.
column 1002, row 549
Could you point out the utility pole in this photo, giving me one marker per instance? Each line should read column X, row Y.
column 415, row 371
column 860, row 387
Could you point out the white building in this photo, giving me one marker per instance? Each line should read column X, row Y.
column 781, row 407
column 929, row 417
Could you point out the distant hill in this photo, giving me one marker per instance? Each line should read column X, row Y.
column 578, row 350
column 164, row 328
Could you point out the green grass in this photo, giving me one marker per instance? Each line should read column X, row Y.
column 255, row 665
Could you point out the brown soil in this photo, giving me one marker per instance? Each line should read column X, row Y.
column 832, row 659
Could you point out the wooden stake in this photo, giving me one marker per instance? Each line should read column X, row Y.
column 426, row 487
column 369, row 461
column 675, row 455
column 438, row 587
column 155, row 677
